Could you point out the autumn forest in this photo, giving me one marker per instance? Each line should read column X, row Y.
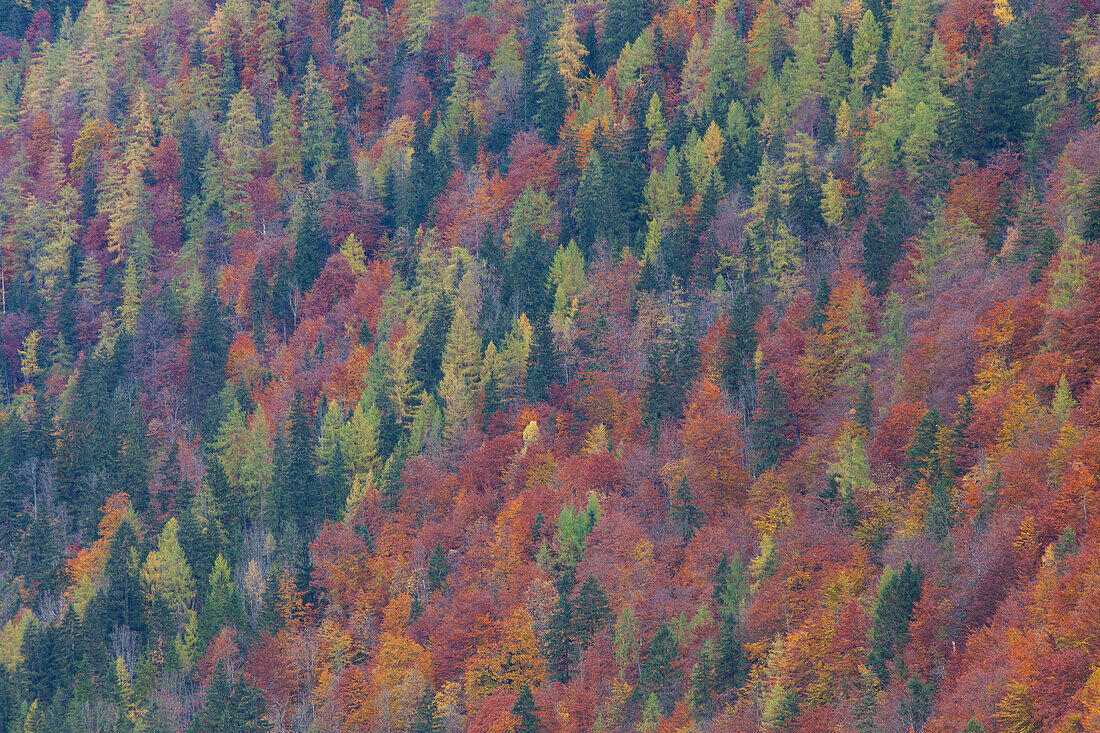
column 515, row 366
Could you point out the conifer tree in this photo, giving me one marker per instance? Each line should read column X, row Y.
column 527, row 719
column 206, row 365
column 543, row 366
column 438, row 568
column 560, row 640
column 311, row 250
column 426, row 719
column 300, row 479
column 773, row 424
column 591, row 610
column 318, row 124
column 898, row 593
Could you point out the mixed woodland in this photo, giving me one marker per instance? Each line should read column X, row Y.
column 522, row 365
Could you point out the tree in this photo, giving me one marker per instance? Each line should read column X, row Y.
column 427, row 719
column 526, row 712
column 560, row 641
column 1090, row 229
column 591, row 610
column 318, row 123
column 773, row 424
column 222, row 606
column 570, row 53
column 660, row 671
column 543, row 368
column 768, row 47
column 438, row 568
column 704, row 685
column 166, row 577
column 712, row 447
column 231, row 704
column 879, row 257
column 206, row 359
column 300, row 477
column 898, row 594
column 427, row 363
column 311, row 251
column 685, row 515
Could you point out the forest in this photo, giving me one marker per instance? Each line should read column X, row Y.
column 516, row 366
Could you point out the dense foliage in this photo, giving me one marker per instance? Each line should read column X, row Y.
column 508, row 365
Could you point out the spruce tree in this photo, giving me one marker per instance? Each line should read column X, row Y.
column 773, row 424
column 311, row 250
column 591, row 610
column 731, row 666
column 898, row 594
column 560, row 642
column 704, row 685
column 660, row 670
column 920, row 460
column 527, row 719
column 206, row 358
column 426, row 719
column 1090, row 228
column 543, row 367
column 879, row 257
column 438, row 568
column 685, row 515
column 231, row 705
column 300, row 479
column 427, row 363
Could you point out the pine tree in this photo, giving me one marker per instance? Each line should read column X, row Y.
column 427, row 362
